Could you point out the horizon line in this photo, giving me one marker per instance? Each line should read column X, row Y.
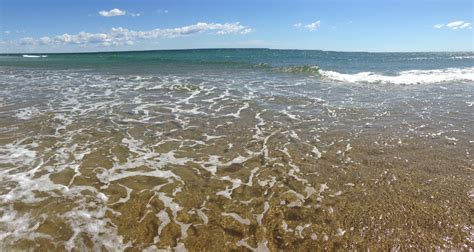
column 225, row 48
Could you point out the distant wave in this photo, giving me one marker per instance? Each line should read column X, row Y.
column 463, row 57
column 34, row 56
column 405, row 77
column 304, row 69
column 262, row 65
column 460, row 57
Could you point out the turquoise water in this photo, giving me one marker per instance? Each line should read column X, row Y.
column 236, row 148
column 177, row 61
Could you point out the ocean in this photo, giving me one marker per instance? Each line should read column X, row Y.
column 236, row 149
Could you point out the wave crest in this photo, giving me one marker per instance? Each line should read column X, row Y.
column 405, row 77
column 34, row 56
column 306, row 69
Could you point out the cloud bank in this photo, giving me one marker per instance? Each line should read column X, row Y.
column 123, row 36
column 455, row 25
column 112, row 13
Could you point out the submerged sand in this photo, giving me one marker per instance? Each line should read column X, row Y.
column 185, row 167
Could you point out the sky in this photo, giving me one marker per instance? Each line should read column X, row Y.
column 337, row 25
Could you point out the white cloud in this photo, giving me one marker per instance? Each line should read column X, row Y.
column 465, row 25
column 112, row 13
column 162, row 11
column 455, row 25
column 44, row 40
column 123, row 36
column 27, row 41
column 135, row 14
column 313, row 26
column 7, row 32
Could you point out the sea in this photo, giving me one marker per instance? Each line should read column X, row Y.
column 236, row 150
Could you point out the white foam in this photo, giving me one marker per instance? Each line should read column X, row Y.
column 291, row 116
column 470, row 194
column 316, row 152
column 463, row 57
column 299, row 230
column 238, row 218
column 203, row 216
column 14, row 225
column 27, row 113
column 237, row 114
column 259, row 217
column 322, row 188
column 175, row 208
column 340, row 232
column 284, row 225
column 34, row 56
column 93, row 223
column 405, row 77
column 261, row 246
column 16, row 154
column 228, row 191
column 214, row 162
column 165, row 220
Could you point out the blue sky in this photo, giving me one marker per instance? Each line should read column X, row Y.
column 342, row 25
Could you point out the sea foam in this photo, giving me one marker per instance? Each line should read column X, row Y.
column 405, row 77
column 34, row 56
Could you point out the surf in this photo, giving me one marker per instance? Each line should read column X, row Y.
column 34, row 56
column 409, row 77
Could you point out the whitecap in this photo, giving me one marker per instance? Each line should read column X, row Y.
column 405, row 77
column 34, row 56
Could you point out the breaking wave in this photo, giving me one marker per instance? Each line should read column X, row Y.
column 408, row 77
column 34, row 56
column 405, row 77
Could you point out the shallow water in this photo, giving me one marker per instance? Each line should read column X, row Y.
column 237, row 149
